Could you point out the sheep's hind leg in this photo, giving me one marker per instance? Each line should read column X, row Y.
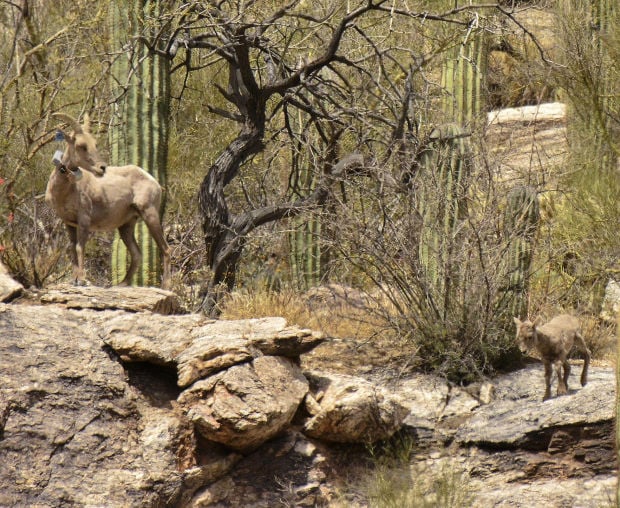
column 566, row 367
column 151, row 219
column 126, row 232
column 586, row 358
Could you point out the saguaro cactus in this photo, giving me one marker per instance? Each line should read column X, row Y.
column 444, row 168
column 441, row 203
column 521, row 221
column 463, row 77
column 139, row 127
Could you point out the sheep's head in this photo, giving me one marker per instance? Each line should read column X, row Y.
column 81, row 151
column 526, row 334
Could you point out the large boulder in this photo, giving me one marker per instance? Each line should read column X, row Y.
column 349, row 409
column 247, row 404
column 127, row 298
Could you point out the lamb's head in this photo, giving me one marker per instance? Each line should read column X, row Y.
column 526, row 335
column 81, row 151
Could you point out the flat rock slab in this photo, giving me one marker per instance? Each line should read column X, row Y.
column 518, row 418
column 199, row 347
column 131, row 299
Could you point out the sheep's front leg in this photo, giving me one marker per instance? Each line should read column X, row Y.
column 80, row 247
column 78, row 270
column 548, row 373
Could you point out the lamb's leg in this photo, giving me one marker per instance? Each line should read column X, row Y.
column 548, row 372
column 151, row 219
column 126, row 232
column 562, row 388
column 586, row 359
column 566, row 366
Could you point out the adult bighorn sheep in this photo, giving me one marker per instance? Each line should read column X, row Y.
column 89, row 196
column 554, row 340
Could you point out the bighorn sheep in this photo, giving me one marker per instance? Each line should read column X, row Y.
column 89, row 196
column 554, row 340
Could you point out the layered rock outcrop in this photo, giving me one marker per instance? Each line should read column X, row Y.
column 107, row 404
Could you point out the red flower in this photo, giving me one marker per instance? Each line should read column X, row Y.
column 2, row 180
column 11, row 217
column 2, row 248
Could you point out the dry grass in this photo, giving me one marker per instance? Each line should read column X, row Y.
column 359, row 341
column 339, row 321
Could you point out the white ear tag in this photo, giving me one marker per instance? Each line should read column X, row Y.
column 57, row 157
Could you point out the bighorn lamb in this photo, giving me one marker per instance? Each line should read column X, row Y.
column 90, row 196
column 554, row 340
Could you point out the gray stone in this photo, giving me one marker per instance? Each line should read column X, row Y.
column 519, row 418
column 352, row 410
column 248, row 404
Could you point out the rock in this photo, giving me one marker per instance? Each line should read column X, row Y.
column 519, row 418
column 247, row 404
column 133, row 299
column 147, row 337
column 337, row 295
column 9, row 288
column 552, row 111
column 221, row 344
column 205, row 357
column 199, row 347
column 352, row 410
column 77, row 432
column 270, row 335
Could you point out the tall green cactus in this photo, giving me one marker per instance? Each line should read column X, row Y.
column 521, row 221
column 441, row 203
column 139, row 127
column 305, row 252
column 444, row 168
column 462, row 79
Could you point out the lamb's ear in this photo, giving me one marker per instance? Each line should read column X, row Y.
column 517, row 321
column 538, row 321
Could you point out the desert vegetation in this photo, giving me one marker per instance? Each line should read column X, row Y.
column 302, row 145
column 340, row 144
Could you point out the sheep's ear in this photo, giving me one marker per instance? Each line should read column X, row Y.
column 538, row 321
column 517, row 321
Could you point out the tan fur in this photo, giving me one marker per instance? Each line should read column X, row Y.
column 554, row 341
column 119, row 197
